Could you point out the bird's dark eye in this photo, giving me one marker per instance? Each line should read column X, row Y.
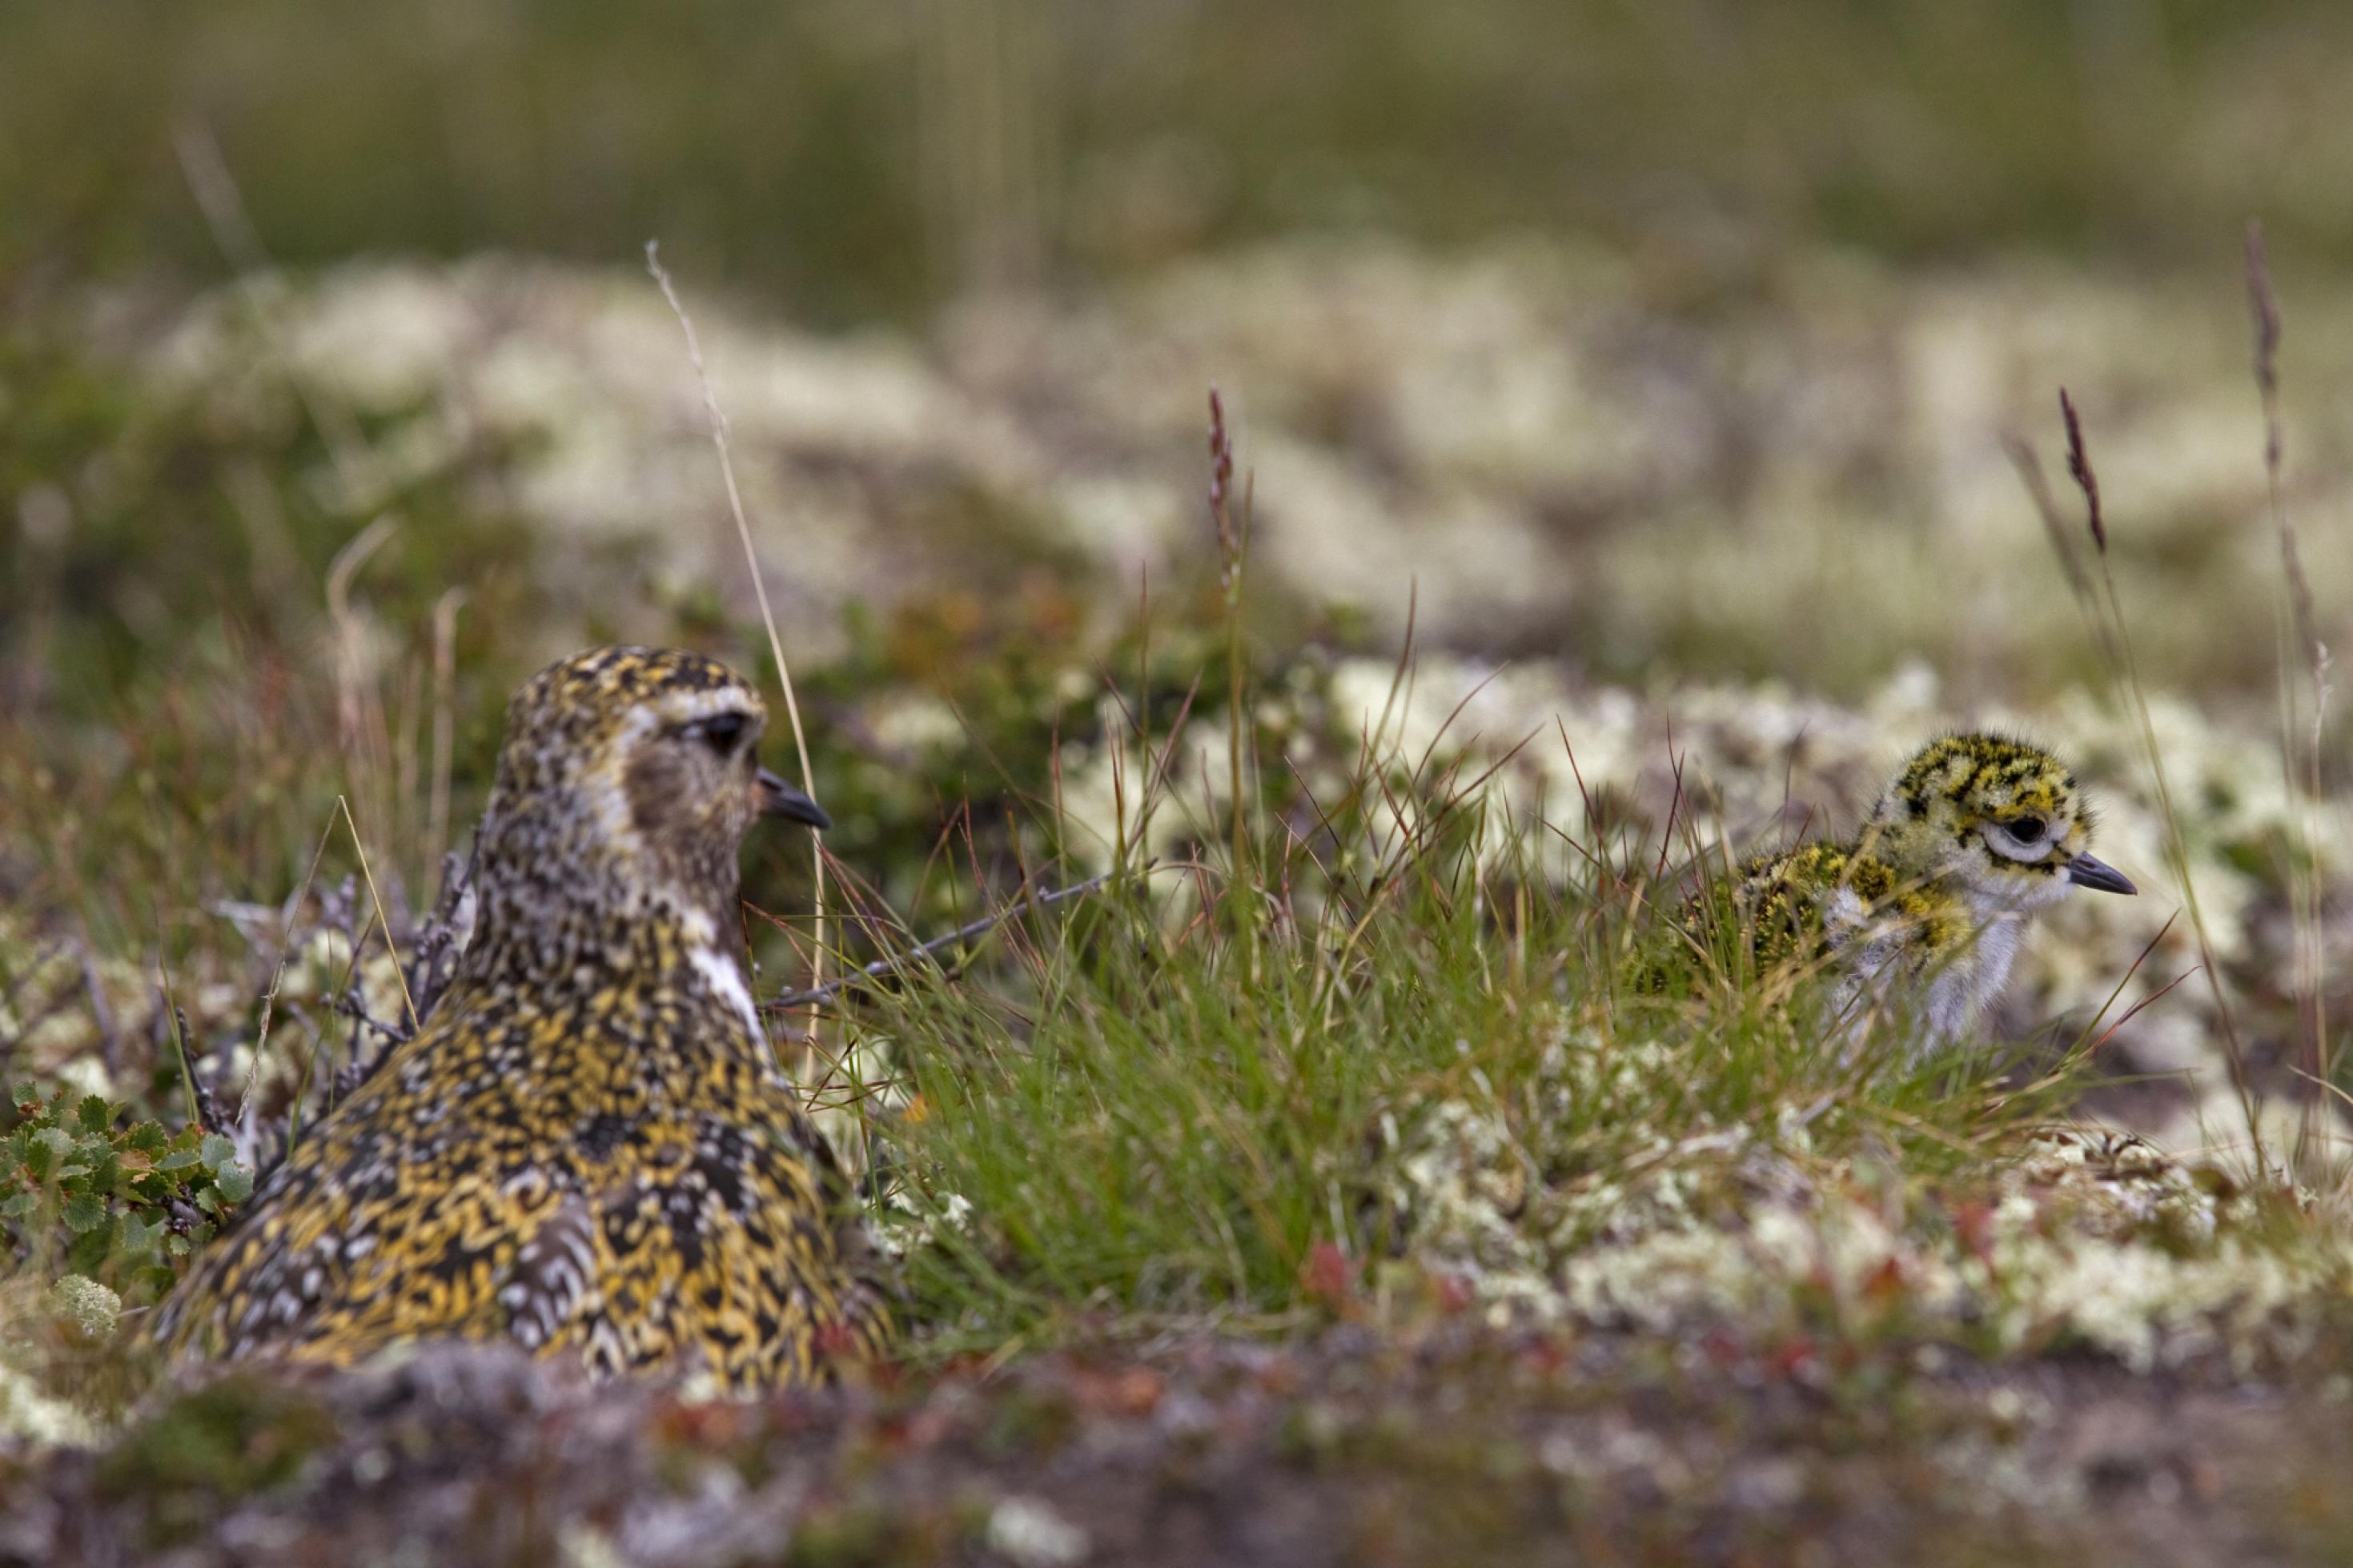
column 2026, row 829
column 723, row 733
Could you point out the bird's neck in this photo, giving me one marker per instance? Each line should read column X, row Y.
column 652, row 987
column 568, row 878
column 594, row 919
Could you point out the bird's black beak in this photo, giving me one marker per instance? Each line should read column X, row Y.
column 778, row 798
column 2098, row 876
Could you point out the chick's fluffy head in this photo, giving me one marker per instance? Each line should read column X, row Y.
column 2006, row 818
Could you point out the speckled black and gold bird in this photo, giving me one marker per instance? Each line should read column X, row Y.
column 1928, row 904
column 587, row 1149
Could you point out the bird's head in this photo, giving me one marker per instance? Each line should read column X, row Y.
column 627, row 780
column 2004, row 820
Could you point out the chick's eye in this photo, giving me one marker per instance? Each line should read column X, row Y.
column 2026, row 829
column 723, row 733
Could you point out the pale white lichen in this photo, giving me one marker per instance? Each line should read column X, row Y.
column 84, row 1307
column 31, row 1415
column 1435, row 419
column 1030, row 1532
column 2090, row 1238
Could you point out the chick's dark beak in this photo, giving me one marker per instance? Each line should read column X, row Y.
column 2098, row 876
column 778, row 798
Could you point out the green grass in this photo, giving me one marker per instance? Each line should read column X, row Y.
column 1200, row 1097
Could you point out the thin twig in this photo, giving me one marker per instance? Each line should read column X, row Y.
column 278, row 974
column 390, row 947
column 2080, row 1048
column 883, row 967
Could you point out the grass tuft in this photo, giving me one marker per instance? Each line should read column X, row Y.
column 1223, row 1092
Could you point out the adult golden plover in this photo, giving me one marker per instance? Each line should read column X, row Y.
column 1926, row 907
column 587, row 1149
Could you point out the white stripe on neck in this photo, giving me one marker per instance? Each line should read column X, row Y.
column 723, row 976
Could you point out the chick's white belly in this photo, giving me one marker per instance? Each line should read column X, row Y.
column 1942, row 993
column 1971, row 978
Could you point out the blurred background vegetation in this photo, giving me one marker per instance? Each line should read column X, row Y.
column 858, row 159
column 840, row 163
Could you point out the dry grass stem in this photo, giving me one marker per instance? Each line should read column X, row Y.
column 2079, row 468
column 719, row 440
column 2300, row 645
column 382, row 923
column 445, row 679
column 2116, row 642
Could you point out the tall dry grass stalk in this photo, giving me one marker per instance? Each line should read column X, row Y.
column 445, row 679
column 720, row 441
column 2304, row 691
column 1233, row 546
column 361, row 727
column 2113, row 634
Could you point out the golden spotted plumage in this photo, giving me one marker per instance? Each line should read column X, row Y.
column 587, row 1149
column 1927, row 905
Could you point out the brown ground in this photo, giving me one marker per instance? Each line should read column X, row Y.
column 1465, row 1447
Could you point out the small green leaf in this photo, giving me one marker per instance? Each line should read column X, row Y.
column 140, row 1237
column 94, row 1113
column 208, row 1201
column 179, row 1160
column 177, row 1246
column 235, row 1184
column 41, row 1154
column 84, row 1211
column 218, row 1153
column 147, row 1137
column 19, row 1206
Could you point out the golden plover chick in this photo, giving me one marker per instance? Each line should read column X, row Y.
column 587, row 1149
column 1926, row 907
